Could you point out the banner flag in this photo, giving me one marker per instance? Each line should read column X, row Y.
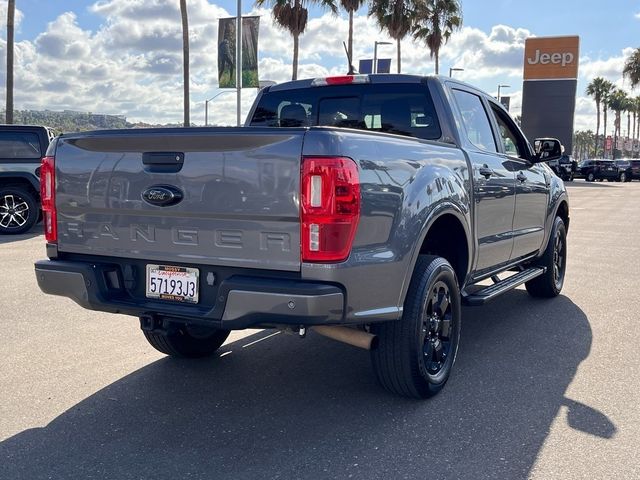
column 227, row 52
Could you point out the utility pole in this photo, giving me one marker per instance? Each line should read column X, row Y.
column 239, row 63
column 11, row 11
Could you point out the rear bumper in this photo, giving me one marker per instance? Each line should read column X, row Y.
column 240, row 301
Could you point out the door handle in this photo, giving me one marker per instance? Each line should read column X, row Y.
column 521, row 177
column 485, row 171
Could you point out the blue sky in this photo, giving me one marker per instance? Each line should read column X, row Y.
column 120, row 41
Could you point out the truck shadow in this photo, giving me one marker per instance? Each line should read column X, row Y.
column 290, row 408
column 35, row 231
column 584, row 184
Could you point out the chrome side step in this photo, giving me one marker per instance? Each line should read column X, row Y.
column 482, row 296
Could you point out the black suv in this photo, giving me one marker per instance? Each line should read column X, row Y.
column 21, row 149
column 600, row 170
column 632, row 172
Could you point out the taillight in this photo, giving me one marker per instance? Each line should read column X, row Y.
column 340, row 80
column 329, row 208
column 48, row 198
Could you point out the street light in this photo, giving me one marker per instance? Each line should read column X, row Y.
column 374, row 69
column 499, row 87
column 206, row 104
column 454, row 69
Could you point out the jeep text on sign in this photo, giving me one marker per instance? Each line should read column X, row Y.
column 551, row 58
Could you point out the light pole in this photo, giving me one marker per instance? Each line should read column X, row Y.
column 206, row 105
column 454, row 69
column 499, row 87
column 374, row 68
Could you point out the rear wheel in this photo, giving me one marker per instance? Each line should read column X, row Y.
column 187, row 341
column 18, row 210
column 415, row 354
column 554, row 260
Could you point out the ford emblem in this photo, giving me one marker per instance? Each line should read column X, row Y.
column 162, row 195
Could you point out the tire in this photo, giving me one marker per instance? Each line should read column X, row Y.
column 19, row 210
column 623, row 177
column 554, row 259
column 590, row 177
column 187, row 342
column 415, row 354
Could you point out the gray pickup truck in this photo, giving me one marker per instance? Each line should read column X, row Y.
column 366, row 208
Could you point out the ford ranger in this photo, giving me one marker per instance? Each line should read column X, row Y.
column 368, row 208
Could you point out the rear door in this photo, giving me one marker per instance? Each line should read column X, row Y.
column 531, row 185
column 493, row 182
column 238, row 187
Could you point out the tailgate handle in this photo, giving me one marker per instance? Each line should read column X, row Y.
column 163, row 162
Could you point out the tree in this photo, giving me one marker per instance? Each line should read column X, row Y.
column 617, row 102
column 11, row 14
column 632, row 68
column 636, row 124
column 351, row 6
column 583, row 143
column 395, row 17
column 292, row 16
column 185, row 60
column 435, row 21
column 606, row 92
column 596, row 89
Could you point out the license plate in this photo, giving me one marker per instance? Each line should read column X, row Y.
column 168, row 282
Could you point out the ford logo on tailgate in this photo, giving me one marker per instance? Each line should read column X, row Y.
column 162, row 195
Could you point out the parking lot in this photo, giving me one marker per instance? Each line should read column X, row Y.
column 542, row 388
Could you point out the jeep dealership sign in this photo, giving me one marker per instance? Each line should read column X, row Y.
column 549, row 88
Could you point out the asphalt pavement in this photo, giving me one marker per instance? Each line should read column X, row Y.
column 541, row 389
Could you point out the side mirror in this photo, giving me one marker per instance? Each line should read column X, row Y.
column 546, row 149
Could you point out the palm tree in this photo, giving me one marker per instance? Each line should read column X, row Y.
column 606, row 93
column 394, row 17
column 185, row 59
column 11, row 13
column 632, row 68
column 617, row 101
column 351, row 6
column 435, row 21
column 636, row 123
column 596, row 89
column 292, row 16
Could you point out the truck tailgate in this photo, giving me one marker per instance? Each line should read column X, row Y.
column 239, row 188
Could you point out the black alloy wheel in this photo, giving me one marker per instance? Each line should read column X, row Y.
column 559, row 258
column 415, row 354
column 554, row 261
column 437, row 329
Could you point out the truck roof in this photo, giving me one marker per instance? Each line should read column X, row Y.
column 377, row 78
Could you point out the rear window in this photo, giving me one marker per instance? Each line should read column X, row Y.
column 21, row 145
column 401, row 109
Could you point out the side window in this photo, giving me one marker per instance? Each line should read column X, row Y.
column 19, row 145
column 510, row 139
column 475, row 119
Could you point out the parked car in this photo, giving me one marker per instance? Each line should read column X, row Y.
column 624, row 170
column 633, row 173
column 21, row 150
column 592, row 170
column 374, row 234
column 565, row 167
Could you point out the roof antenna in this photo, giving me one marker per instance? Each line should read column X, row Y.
column 352, row 70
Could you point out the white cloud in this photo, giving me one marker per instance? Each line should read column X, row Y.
column 17, row 20
column 132, row 64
